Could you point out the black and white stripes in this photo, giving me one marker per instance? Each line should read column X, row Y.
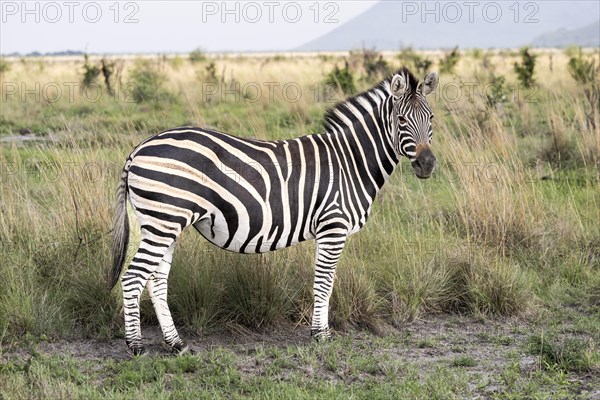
column 252, row 196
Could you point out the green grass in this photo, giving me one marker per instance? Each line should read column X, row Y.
column 463, row 361
column 568, row 354
column 345, row 368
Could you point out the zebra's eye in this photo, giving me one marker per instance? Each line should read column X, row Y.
column 402, row 121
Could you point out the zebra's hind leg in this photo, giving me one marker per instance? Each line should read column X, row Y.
column 143, row 266
column 157, row 286
column 328, row 251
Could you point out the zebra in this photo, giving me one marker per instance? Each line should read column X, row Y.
column 255, row 196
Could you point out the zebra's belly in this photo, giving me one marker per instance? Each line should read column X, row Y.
column 214, row 228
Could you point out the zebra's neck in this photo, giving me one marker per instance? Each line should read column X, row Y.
column 363, row 130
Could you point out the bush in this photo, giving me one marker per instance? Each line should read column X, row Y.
column 211, row 72
column 148, row 83
column 4, row 66
column 486, row 61
column 476, row 53
column 525, row 69
column 107, row 70
column 197, row 56
column 341, row 79
column 90, row 72
column 497, row 92
column 410, row 59
column 448, row 63
column 586, row 73
column 375, row 66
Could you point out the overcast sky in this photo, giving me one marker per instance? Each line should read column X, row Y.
column 168, row 26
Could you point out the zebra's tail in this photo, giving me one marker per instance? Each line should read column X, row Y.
column 120, row 230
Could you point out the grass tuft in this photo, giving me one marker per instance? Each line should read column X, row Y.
column 569, row 354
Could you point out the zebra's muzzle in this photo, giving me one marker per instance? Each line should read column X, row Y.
column 424, row 163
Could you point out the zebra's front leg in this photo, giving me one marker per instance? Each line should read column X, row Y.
column 327, row 254
column 158, row 287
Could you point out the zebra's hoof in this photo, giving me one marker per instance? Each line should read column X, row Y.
column 135, row 347
column 320, row 335
column 137, row 350
column 180, row 349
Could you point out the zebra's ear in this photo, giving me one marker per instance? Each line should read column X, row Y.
column 398, row 86
column 429, row 83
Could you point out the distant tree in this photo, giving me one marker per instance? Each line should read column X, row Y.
column 587, row 74
column 448, row 63
column 90, row 72
column 525, row 69
column 412, row 60
column 4, row 66
column 341, row 79
column 374, row 64
column 107, row 70
column 197, row 55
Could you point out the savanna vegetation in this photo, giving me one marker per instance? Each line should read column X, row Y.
column 504, row 234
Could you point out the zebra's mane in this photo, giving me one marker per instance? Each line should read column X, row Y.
column 357, row 101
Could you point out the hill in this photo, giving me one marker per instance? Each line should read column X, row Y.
column 391, row 25
column 588, row 36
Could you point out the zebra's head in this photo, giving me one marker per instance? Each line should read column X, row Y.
column 411, row 119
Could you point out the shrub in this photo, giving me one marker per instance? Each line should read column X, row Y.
column 148, row 83
column 412, row 60
column 4, row 66
column 374, row 64
column 525, row 69
column 448, row 63
column 423, row 65
column 211, row 72
column 476, row 53
column 197, row 55
column 486, row 61
column 586, row 73
column 342, row 79
column 90, row 72
column 107, row 70
column 497, row 93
